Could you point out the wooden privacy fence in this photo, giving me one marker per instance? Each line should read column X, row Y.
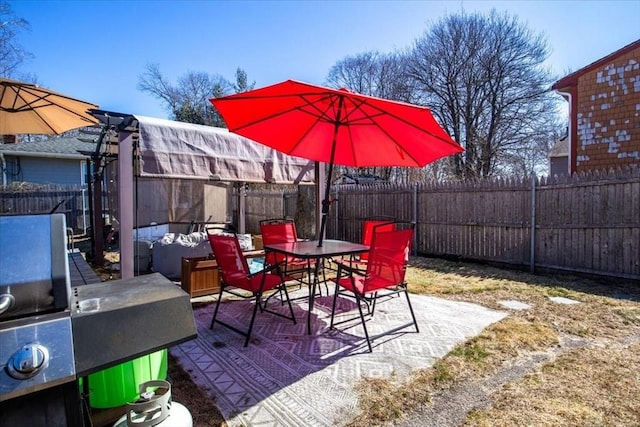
column 266, row 204
column 38, row 199
column 584, row 223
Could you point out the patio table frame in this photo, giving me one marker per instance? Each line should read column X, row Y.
column 309, row 249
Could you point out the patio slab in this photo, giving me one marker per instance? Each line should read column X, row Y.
column 563, row 300
column 514, row 305
column 288, row 378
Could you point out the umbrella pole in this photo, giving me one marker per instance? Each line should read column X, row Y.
column 326, row 202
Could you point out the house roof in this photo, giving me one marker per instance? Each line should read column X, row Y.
column 560, row 148
column 572, row 79
column 65, row 148
column 361, row 178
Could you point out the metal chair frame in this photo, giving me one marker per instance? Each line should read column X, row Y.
column 271, row 279
column 374, row 284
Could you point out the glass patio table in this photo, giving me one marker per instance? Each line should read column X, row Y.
column 309, row 249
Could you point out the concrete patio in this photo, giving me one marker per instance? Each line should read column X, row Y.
column 288, row 378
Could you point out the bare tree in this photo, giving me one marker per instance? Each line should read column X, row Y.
column 153, row 82
column 532, row 155
column 484, row 79
column 373, row 73
column 383, row 76
column 188, row 101
column 12, row 55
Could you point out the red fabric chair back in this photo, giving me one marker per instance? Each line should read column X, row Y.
column 232, row 263
column 367, row 232
column 277, row 231
column 281, row 232
column 388, row 259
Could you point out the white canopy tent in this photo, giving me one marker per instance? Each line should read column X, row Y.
column 170, row 149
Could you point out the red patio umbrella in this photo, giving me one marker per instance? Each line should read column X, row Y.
column 336, row 126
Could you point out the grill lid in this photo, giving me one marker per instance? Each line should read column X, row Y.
column 34, row 277
column 119, row 320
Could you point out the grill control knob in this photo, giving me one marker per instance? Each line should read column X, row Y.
column 28, row 361
column 6, row 302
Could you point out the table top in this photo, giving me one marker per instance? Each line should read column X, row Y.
column 310, row 248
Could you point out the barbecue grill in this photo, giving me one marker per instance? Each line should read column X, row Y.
column 53, row 331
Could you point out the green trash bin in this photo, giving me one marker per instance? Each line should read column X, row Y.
column 118, row 385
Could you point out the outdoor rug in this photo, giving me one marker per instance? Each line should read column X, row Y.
column 288, row 378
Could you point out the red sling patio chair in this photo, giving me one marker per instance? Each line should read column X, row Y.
column 380, row 223
column 282, row 230
column 384, row 276
column 237, row 278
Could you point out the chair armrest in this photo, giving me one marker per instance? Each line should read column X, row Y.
column 349, row 270
column 351, row 263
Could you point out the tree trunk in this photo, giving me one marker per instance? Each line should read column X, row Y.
column 305, row 207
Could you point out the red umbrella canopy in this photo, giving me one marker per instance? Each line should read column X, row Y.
column 311, row 121
column 336, row 126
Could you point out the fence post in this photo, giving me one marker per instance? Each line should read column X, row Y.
column 533, row 224
column 242, row 207
column 414, row 214
column 84, row 210
column 284, row 204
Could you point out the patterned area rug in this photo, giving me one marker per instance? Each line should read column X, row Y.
column 288, row 378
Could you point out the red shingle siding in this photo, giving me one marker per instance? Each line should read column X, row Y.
column 608, row 115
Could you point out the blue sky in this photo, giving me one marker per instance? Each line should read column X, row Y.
column 96, row 50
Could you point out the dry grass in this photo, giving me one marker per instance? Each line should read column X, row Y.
column 583, row 387
column 597, row 384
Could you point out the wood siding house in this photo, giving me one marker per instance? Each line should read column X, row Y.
column 604, row 112
column 54, row 161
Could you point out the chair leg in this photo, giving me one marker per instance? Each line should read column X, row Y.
column 364, row 326
column 253, row 318
column 283, row 287
column 215, row 312
column 333, row 307
column 266, row 301
column 324, row 276
column 411, row 310
column 372, row 308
